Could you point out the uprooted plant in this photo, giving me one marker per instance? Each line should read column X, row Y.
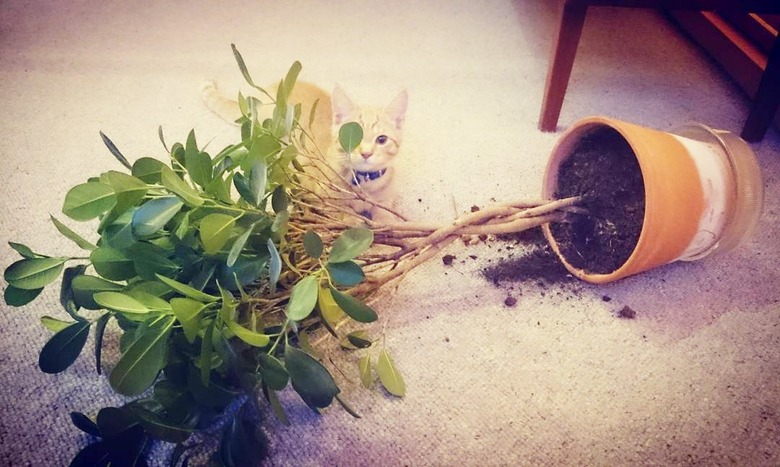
column 217, row 298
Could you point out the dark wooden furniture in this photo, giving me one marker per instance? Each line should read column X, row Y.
column 766, row 94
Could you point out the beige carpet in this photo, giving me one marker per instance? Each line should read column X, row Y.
column 556, row 379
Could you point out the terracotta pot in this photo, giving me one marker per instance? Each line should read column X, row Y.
column 703, row 192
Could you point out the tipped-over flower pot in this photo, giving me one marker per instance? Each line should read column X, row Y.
column 699, row 191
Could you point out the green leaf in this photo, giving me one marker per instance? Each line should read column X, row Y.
column 100, row 329
column 53, row 324
column 23, row 250
column 85, row 287
column 121, row 302
column 252, row 338
column 154, row 214
column 189, row 314
column 242, row 443
column 67, row 298
column 276, row 406
column 353, row 307
column 129, row 190
column 114, row 151
column 112, row 264
column 64, row 347
column 88, row 200
column 139, row 365
column 238, row 245
column 312, row 243
column 350, row 136
column 389, row 376
column 292, row 76
column 258, row 177
column 159, row 427
column 19, row 297
column 364, row 368
column 148, row 169
column 151, row 260
column 186, row 290
column 302, row 298
column 206, row 353
column 351, row 244
column 273, row 372
column 35, row 273
column 215, row 231
column 179, row 187
column 198, row 164
column 329, row 310
column 274, row 265
column 347, row 273
column 71, row 235
column 310, row 379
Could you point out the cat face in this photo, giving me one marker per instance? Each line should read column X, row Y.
column 382, row 131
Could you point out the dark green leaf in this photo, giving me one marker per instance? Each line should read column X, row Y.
column 206, row 352
column 64, row 347
column 346, row 407
column 97, row 454
column 67, row 297
column 20, row 297
column 71, row 235
column 350, row 244
column 360, row 339
column 154, row 214
column 84, row 423
column 347, row 273
column 112, row 264
column 353, row 307
column 273, row 372
column 350, row 136
column 35, row 273
column 312, row 243
column 84, row 287
column 242, row 443
column 114, row 151
column 159, row 427
column 100, row 329
column 150, row 261
column 139, row 365
column 310, row 379
column 88, row 200
column 302, row 298
column 279, row 199
column 276, row 406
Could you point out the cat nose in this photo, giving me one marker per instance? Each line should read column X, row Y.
column 366, row 155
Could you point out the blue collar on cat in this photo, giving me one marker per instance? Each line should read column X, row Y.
column 359, row 177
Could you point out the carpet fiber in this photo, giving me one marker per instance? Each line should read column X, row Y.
column 556, row 378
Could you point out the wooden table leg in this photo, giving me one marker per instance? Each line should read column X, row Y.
column 767, row 98
column 561, row 62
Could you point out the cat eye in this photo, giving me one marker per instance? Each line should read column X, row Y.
column 381, row 139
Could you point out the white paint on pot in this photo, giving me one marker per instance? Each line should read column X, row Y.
column 717, row 185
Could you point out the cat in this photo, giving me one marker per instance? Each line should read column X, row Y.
column 369, row 170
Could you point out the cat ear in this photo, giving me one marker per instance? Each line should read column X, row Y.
column 396, row 111
column 342, row 107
